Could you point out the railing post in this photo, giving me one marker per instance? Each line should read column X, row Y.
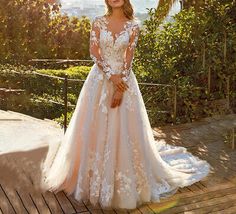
column 228, row 92
column 233, row 139
column 204, row 56
column 181, row 4
column 225, row 46
column 65, row 101
column 175, row 104
column 3, row 99
column 209, row 81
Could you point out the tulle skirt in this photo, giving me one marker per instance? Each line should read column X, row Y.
column 109, row 155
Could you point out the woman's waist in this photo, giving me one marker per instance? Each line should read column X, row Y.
column 116, row 65
column 114, row 69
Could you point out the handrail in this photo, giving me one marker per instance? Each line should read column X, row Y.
column 65, row 79
column 66, row 105
column 61, row 60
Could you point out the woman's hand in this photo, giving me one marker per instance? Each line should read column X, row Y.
column 117, row 98
column 119, row 83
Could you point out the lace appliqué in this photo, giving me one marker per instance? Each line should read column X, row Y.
column 160, row 188
column 129, row 55
column 98, row 181
column 79, row 190
column 95, row 181
column 97, row 76
column 127, row 39
column 102, row 101
column 129, row 103
column 125, row 183
column 107, row 188
column 141, row 176
column 106, row 192
column 94, row 48
column 106, row 155
column 131, row 95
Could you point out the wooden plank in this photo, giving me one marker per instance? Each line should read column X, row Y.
column 21, row 166
column 194, row 187
column 21, row 171
column 64, row 203
column 218, row 207
column 79, row 206
column 121, row 211
column 161, row 207
column 134, row 211
column 196, row 196
column 184, row 189
column 184, row 206
column 227, row 210
column 39, row 202
column 94, row 210
column 22, row 184
column 9, row 176
column 29, row 163
column 145, row 209
column 51, row 202
column 13, row 199
column 178, row 191
column 28, row 203
column 201, row 186
column 106, row 211
column 5, row 204
column 91, row 208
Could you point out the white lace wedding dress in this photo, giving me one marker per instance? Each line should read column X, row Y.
column 109, row 155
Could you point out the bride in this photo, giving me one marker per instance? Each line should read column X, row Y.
column 108, row 154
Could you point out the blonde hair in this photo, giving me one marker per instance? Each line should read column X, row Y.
column 127, row 9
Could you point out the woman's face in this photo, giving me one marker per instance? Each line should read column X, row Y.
column 116, row 3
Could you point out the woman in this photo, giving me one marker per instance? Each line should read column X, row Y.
column 108, row 154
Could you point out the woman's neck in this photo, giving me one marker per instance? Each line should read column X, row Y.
column 117, row 13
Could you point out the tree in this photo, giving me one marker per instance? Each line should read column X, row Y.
column 198, row 44
column 185, row 4
column 36, row 29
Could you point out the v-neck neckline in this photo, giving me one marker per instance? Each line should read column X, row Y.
column 116, row 35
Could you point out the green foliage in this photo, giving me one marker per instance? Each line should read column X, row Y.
column 184, row 51
column 196, row 53
column 35, row 29
column 77, row 72
column 43, row 96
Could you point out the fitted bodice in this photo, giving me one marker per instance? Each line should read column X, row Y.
column 113, row 48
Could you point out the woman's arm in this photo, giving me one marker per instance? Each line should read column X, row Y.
column 129, row 53
column 94, row 49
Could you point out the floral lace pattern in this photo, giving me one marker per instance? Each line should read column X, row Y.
column 109, row 155
column 107, row 50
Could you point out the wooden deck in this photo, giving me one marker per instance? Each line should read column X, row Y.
column 19, row 174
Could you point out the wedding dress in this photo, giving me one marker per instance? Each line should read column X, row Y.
column 109, row 155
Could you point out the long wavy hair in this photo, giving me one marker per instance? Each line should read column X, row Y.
column 127, row 9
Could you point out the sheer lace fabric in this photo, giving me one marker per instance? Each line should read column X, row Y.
column 109, row 155
column 105, row 52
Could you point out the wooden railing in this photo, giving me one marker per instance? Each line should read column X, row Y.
column 65, row 94
column 66, row 80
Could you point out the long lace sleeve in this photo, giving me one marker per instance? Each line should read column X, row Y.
column 129, row 53
column 94, row 49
